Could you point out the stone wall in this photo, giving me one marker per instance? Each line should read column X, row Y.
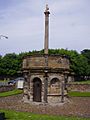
column 79, row 87
column 38, row 61
column 54, row 99
column 7, row 88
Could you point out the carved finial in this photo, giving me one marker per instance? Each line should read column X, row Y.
column 47, row 8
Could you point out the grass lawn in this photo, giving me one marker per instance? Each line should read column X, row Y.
column 9, row 93
column 13, row 115
column 79, row 94
column 3, row 80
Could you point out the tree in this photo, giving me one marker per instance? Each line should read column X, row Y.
column 86, row 54
column 9, row 65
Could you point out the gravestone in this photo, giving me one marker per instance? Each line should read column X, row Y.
column 2, row 116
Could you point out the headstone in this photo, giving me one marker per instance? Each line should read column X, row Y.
column 2, row 116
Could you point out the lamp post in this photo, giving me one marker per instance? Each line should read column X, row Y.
column 3, row 36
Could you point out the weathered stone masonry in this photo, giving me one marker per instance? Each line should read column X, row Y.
column 42, row 80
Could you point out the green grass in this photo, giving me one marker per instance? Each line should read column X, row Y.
column 10, row 93
column 79, row 94
column 13, row 115
column 4, row 80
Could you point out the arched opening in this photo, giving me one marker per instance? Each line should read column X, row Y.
column 55, row 86
column 37, row 88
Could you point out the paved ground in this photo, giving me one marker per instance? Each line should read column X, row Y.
column 77, row 106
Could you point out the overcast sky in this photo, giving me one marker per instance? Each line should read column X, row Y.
column 23, row 22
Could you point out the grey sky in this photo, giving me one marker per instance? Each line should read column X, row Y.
column 23, row 22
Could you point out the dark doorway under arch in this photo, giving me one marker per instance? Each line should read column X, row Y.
column 37, row 88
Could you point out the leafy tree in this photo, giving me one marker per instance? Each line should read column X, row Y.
column 10, row 64
column 86, row 54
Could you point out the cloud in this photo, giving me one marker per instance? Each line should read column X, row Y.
column 23, row 22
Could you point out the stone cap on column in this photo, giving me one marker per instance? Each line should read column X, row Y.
column 47, row 10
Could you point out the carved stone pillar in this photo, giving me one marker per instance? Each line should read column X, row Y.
column 31, row 91
column 43, row 91
column 26, row 95
column 45, row 86
column 62, row 89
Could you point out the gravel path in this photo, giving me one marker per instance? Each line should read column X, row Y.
column 77, row 106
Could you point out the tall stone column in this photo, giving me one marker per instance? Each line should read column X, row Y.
column 46, row 41
column 46, row 52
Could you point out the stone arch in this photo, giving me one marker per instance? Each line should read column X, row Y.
column 37, row 89
column 36, row 76
column 54, row 87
